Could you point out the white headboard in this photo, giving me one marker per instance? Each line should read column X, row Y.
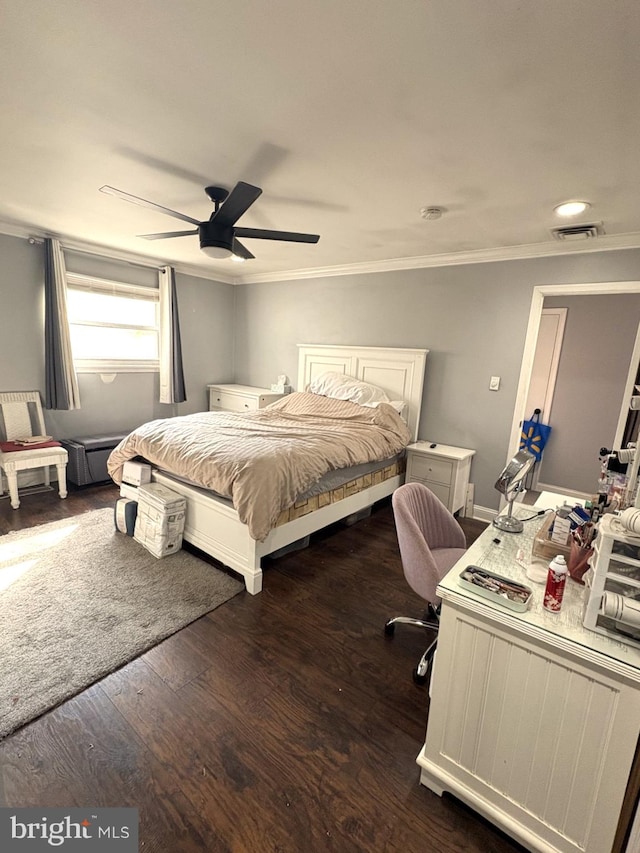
column 399, row 372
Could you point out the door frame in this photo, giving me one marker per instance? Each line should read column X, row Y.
column 628, row 391
column 547, row 403
column 602, row 288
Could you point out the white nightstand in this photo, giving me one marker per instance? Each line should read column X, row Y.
column 443, row 469
column 239, row 398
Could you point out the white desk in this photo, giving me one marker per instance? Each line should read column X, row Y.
column 533, row 719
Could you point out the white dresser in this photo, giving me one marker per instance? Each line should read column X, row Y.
column 533, row 719
column 239, row 398
column 443, row 469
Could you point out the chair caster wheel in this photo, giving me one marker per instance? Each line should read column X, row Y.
column 389, row 629
column 419, row 679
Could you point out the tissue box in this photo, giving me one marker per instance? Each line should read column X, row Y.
column 136, row 473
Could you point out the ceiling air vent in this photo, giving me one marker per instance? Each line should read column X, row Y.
column 585, row 231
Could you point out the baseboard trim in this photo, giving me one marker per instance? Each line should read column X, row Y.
column 558, row 490
column 484, row 513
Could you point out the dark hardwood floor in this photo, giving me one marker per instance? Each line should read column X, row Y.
column 278, row 722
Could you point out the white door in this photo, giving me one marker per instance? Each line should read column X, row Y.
column 545, row 368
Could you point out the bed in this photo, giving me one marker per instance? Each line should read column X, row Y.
column 214, row 525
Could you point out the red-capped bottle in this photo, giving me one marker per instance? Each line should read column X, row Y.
column 556, row 580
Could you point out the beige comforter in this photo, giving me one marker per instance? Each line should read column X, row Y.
column 264, row 459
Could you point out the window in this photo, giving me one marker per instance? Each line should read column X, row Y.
column 114, row 326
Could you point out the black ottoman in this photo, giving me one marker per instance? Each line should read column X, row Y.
column 88, row 457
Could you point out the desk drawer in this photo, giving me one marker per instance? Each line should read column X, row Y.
column 429, row 468
column 233, row 402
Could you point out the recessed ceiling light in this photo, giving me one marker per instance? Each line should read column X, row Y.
column 431, row 212
column 571, row 208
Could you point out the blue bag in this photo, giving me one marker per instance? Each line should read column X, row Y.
column 534, row 435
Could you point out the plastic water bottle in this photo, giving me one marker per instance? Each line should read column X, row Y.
column 556, row 580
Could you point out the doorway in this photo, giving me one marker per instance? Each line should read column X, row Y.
column 535, row 316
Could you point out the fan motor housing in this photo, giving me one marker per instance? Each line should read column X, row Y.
column 218, row 236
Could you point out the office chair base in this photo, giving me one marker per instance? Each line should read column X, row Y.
column 390, row 624
column 419, row 679
column 421, row 672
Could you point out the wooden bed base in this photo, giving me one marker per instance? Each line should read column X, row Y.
column 213, row 525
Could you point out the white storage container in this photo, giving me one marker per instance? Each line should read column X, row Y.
column 136, row 473
column 160, row 519
column 615, row 570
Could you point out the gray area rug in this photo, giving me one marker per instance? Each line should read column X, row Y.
column 78, row 600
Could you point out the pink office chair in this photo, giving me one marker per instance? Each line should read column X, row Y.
column 431, row 541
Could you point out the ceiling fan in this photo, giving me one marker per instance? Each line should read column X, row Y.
column 219, row 234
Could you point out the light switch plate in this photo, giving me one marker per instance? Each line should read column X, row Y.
column 494, row 383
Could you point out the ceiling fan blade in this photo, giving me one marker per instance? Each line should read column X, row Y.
column 237, row 202
column 167, row 234
column 241, row 251
column 150, row 204
column 263, row 234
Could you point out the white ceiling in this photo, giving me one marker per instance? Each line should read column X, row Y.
column 351, row 115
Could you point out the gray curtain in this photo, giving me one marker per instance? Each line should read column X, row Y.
column 172, row 388
column 61, row 384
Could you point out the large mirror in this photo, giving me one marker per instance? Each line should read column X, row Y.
column 581, row 345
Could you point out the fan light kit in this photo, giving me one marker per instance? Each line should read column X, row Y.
column 218, row 234
column 571, row 208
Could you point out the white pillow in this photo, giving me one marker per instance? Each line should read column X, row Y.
column 398, row 405
column 343, row 387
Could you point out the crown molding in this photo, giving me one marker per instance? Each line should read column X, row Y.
column 11, row 229
column 473, row 256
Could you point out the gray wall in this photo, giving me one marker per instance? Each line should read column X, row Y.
column 206, row 320
column 598, row 342
column 473, row 319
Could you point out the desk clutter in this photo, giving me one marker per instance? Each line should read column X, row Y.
column 501, row 590
column 602, row 557
column 570, row 532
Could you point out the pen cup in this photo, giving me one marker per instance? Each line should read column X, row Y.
column 578, row 561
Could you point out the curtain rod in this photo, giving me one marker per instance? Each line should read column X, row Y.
column 99, row 253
